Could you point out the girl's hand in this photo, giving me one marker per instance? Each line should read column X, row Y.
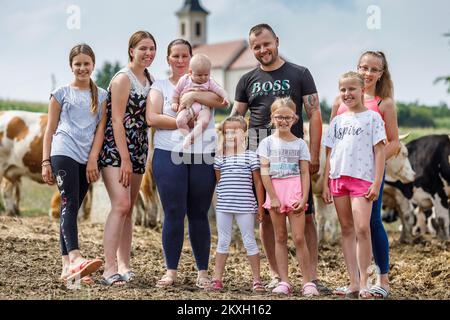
column 92, row 172
column 373, row 192
column 299, row 206
column 47, row 174
column 261, row 213
column 126, row 169
column 275, row 204
column 326, row 195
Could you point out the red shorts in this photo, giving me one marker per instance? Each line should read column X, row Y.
column 349, row 186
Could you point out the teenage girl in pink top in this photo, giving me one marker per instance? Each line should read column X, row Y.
column 378, row 96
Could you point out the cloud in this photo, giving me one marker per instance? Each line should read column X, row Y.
column 326, row 36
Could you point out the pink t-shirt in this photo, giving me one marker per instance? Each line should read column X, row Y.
column 185, row 84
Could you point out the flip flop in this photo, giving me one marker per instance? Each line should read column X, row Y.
column 365, row 294
column 345, row 292
column 203, row 282
column 166, row 281
column 378, row 292
column 87, row 267
column 128, row 276
column 110, row 281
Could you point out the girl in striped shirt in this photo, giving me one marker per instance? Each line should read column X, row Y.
column 236, row 170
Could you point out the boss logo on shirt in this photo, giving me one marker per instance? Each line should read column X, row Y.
column 277, row 86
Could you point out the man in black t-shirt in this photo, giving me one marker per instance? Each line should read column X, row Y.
column 256, row 92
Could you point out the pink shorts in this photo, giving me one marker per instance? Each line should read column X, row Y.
column 349, row 186
column 289, row 191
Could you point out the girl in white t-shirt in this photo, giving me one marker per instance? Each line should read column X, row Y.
column 353, row 174
column 285, row 175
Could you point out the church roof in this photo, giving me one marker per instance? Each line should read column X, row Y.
column 191, row 6
column 228, row 55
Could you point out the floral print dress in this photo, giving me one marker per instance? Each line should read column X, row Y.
column 134, row 124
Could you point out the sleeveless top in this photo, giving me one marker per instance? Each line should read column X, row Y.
column 371, row 104
column 134, row 123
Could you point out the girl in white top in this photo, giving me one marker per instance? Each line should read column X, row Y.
column 353, row 174
column 72, row 142
column 285, row 175
column 236, row 171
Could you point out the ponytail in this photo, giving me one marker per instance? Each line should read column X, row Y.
column 94, row 96
column 147, row 75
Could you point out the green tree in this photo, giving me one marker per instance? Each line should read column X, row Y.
column 105, row 74
column 445, row 79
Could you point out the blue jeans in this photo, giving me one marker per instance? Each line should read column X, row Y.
column 380, row 242
column 184, row 189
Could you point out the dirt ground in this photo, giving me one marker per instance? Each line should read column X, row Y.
column 30, row 265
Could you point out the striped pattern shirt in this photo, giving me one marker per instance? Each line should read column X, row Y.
column 235, row 187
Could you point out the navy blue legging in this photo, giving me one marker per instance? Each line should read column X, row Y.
column 185, row 189
column 380, row 242
column 72, row 184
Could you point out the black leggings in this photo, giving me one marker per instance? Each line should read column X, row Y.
column 70, row 177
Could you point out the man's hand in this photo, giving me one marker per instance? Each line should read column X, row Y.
column 314, row 166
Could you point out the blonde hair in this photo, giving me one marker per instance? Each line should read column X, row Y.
column 353, row 75
column 384, row 87
column 221, row 143
column 87, row 50
column 200, row 61
column 283, row 102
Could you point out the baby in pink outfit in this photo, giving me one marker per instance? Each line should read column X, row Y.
column 197, row 79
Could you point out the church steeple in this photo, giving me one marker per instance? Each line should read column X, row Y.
column 192, row 22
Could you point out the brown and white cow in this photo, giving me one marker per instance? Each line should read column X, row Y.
column 21, row 134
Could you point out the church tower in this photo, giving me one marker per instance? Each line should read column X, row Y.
column 192, row 22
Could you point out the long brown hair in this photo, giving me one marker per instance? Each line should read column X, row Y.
column 87, row 50
column 135, row 38
column 384, row 87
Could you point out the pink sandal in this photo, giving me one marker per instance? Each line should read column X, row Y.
column 309, row 289
column 214, row 285
column 258, row 287
column 84, row 269
column 283, row 288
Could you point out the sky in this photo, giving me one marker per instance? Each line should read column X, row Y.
column 327, row 36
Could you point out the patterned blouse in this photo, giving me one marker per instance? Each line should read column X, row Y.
column 134, row 124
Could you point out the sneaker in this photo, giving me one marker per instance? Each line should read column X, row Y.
column 323, row 290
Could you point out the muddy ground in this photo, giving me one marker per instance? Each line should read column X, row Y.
column 30, row 266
